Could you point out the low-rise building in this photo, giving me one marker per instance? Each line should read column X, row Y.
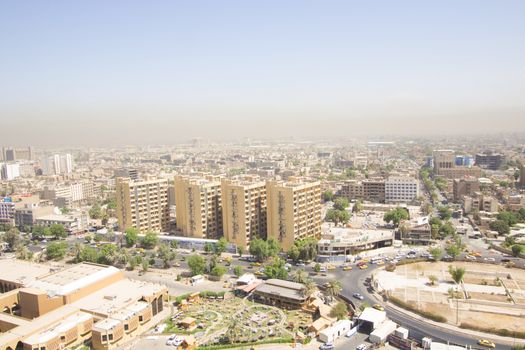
column 340, row 241
column 416, row 231
column 480, row 202
column 285, row 294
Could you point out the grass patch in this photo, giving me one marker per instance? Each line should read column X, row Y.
column 430, row 315
column 499, row 331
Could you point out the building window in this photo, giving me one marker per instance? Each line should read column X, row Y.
column 141, row 318
column 104, row 338
column 126, row 327
column 111, row 337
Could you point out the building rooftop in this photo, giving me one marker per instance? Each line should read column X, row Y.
column 286, row 289
column 19, row 271
column 119, row 295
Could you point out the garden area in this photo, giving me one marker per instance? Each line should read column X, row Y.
column 226, row 319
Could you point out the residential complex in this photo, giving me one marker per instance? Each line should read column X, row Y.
column 244, row 205
column 393, row 189
column 445, row 165
column 142, row 204
column 198, row 205
column 294, row 211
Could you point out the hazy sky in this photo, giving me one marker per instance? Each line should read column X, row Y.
column 114, row 72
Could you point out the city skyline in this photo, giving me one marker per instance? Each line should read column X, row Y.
column 159, row 73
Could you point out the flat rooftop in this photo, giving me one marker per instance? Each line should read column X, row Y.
column 19, row 271
column 286, row 289
column 119, row 295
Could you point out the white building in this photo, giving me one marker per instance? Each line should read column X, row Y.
column 57, row 164
column 339, row 329
column 10, row 171
column 401, row 189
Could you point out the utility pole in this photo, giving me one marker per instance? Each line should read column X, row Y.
column 457, row 305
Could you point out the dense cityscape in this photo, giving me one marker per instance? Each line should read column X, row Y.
column 262, row 175
column 413, row 243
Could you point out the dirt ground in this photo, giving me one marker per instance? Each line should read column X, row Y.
column 479, row 310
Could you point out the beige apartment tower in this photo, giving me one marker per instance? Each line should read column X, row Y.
column 294, row 211
column 143, row 204
column 198, row 206
column 243, row 210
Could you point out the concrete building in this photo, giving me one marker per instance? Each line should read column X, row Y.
column 57, row 164
column 29, row 213
column 340, row 241
column 464, row 187
column 490, row 160
column 286, row 294
column 132, row 173
column 416, row 231
column 10, row 171
column 445, row 165
column 294, row 211
column 14, row 154
column 401, row 189
column 514, row 203
column 374, row 190
column 243, row 210
column 45, row 308
column 480, row 202
column 352, row 189
column 142, row 204
column 7, row 211
column 198, row 206
column 522, row 173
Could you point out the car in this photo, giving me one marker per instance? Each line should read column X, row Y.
column 347, row 268
column 489, row 259
column 476, row 254
column 322, row 269
column 487, row 343
column 361, row 347
column 447, row 258
column 363, row 267
column 471, row 257
column 358, row 296
column 330, row 267
column 327, row 346
column 378, row 307
column 394, row 261
column 380, row 262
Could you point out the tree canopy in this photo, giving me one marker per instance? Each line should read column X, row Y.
column 131, row 236
column 262, row 249
column 197, row 264
column 276, row 269
column 150, row 240
column 56, row 250
column 396, row 215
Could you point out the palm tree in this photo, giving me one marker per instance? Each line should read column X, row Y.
column 457, row 273
column 77, row 250
column 309, row 288
column 334, row 288
column 300, row 276
column 233, row 330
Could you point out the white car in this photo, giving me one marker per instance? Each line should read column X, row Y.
column 174, row 340
column 361, row 347
column 489, row 259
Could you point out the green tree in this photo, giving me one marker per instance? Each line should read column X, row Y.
column 150, row 240
column 131, row 236
column 457, row 273
column 88, row 254
column 221, row 245
column 238, row 270
column 300, row 276
column 521, row 215
column 37, row 232
column 426, row 208
column 339, row 311
column 276, row 269
column 341, row 203
column 197, row 264
column 317, row 268
column 358, row 206
column 12, row 237
column 56, row 250
column 445, row 212
column 95, row 212
column 58, row 231
column 259, row 249
column 332, row 215
column 396, row 216
column 447, row 229
column 107, row 254
column 509, row 241
column 174, row 244
column 208, row 247
column 240, row 250
column 64, row 210
column 436, row 253
column 508, row 217
column 294, row 253
column 145, row 266
column 167, row 256
column 328, row 195
column 516, row 249
column 453, row 250
column 334, row 288
column 273, row 246
column 218, row 271
column 500, row 226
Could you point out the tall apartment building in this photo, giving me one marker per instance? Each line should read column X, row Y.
column 352, row 189
column 198, row 206
column 10, row 171
column 445, row 165
column 294, row 211
column 480, row 202
column 57, row 164
column 374, row 190
column 244, row 205
column 465, row 187
column 401, row 189
column 142, row 204
column 12, row 154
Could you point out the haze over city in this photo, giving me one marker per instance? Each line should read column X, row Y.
column 162, row 72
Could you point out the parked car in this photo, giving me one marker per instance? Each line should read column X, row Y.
column 358, row 296
column 327, row 346
column 487, row 343
column 361, row 347
column 379, row 307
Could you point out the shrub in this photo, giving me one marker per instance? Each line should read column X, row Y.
column 499, row 331
column 430, row 315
